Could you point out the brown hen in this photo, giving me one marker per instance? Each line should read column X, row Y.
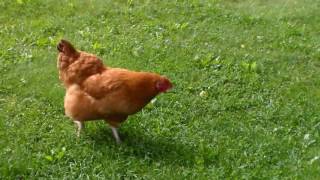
column 94, row 91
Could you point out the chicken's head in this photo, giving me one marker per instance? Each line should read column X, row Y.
column 163, row 84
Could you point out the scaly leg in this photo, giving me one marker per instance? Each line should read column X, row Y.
column 114, row 122
column 80, row 126
column 115, row 134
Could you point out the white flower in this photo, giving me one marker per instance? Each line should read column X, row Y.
column 306, row 137
column 314, row 159
column 203, row 94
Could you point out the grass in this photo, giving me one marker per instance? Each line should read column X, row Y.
column 257, row 64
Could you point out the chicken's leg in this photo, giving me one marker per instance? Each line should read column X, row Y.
column 80, row 126
column 115, row 134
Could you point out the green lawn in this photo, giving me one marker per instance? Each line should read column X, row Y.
column 256, row 64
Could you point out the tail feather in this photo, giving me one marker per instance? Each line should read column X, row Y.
column 66, row 47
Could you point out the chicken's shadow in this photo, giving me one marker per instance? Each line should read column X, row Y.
column 151, row 149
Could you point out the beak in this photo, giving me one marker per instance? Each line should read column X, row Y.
column 169, row 89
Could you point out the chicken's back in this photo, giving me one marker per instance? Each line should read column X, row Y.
column 121, row 91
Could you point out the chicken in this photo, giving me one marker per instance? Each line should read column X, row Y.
column 94, row 91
